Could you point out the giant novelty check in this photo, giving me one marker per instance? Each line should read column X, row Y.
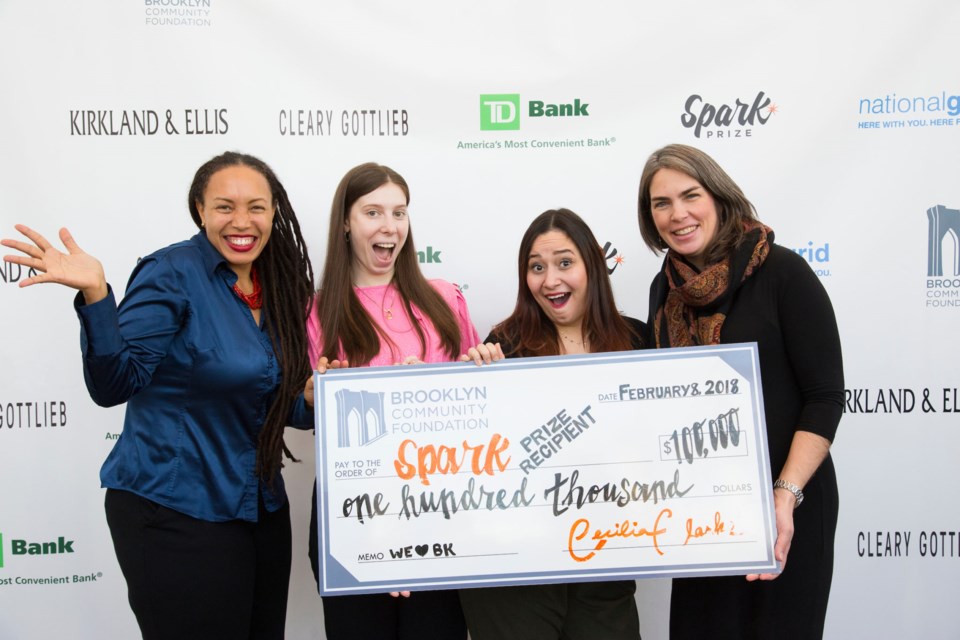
column 538, row 470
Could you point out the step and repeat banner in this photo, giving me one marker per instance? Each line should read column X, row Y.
column 841, row 121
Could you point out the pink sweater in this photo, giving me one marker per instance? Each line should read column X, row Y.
column 385, row 307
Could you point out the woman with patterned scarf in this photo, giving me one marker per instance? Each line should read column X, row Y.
column 724, row 280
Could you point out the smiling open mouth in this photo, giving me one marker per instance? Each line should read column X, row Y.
column 240, row 243
column 559, row 299
column 384, row 250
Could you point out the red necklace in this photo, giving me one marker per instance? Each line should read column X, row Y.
column 255, row 299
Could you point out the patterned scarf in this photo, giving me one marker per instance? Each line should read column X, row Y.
column 697, row 303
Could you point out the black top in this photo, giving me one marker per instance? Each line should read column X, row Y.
column 784, row 308
column 639, row 336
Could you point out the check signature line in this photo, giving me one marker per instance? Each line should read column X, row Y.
column 662, row 546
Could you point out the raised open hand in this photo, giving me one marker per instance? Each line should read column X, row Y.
column 75, row 269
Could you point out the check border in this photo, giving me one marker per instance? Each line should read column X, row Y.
column 336, row 579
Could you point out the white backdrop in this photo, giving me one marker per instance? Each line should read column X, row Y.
column 854, row 138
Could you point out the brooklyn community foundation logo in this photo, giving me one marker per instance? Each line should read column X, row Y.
column 943, row 257
column 178, row 13
column 360, row 418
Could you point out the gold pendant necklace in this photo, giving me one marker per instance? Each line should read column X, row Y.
column 387, row 312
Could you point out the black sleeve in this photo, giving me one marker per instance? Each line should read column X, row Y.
column 812, row 343
column 639, row 329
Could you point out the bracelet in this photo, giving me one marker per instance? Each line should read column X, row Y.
column 780, row 483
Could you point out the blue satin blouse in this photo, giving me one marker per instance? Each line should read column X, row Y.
column 198, row 376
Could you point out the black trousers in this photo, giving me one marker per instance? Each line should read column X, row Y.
column 189, row 578
column 575, row 611
column 425, row 615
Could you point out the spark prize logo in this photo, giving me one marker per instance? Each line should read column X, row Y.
column 359, row 414
column 943, row 257
column 611, row 257
column 500, row 112
column 727, row 121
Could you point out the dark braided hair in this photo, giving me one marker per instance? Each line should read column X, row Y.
column 286, row 276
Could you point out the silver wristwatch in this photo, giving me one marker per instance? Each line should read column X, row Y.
column 780, row 483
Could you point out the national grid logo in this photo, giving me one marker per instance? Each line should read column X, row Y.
column 501, row 111
column 909, row 111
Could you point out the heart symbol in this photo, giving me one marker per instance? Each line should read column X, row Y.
column 422, row 549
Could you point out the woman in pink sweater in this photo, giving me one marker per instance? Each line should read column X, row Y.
column 375, row 308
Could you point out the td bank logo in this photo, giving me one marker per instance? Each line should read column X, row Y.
column 429, row 256
column 26, row 548
column 501, row 111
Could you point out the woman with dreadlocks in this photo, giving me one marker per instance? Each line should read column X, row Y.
column 208, row 349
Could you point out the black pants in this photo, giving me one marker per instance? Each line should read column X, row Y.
column 425, row 615
column 189, row 578
column 576, row 611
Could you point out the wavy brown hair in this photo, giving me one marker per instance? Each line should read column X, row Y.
column 286, row 277
column 732, row 206
column 344, row 323
column 529, row 332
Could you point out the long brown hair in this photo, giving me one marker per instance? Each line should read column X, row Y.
column 286, row 276
column 344, row 323
column 529, row 332
column 732, row 206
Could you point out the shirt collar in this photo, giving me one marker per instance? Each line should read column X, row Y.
column 213, row 261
